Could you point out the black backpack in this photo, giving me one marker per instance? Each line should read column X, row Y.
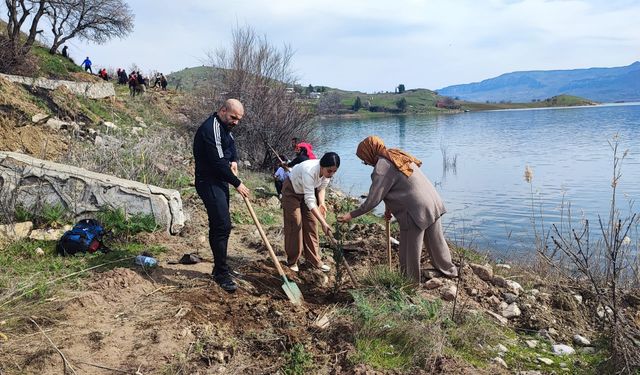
column 84, row 237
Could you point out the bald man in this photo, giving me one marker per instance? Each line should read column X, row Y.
column 214, row 151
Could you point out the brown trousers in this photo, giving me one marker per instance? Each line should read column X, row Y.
column 411, row 241
column 300, row 228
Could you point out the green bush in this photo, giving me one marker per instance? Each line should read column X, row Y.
column 122, row 225
column 299, row 362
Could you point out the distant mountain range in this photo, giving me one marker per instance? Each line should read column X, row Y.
column 598, row 84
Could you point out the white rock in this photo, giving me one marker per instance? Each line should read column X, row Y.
column 552, row 331
column 546, row 361
column 39, row 117
column 17, row 231
column 561, row 349
column 504, row 266
column 46, row 234
column 483, row 272
column 578, row 298
column 511, row 311
column 449, row 293
column 110, row 125
column 500, row 361
column 532, row 344
column 581, row 341
column 39, row 251
column 497, row 317
column 394, row 241
column 501, row 348
column 514, row 287
column 56, row 124
column 136, row 130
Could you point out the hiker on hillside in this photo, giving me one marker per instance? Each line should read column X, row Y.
column 64, row 52
column 215, row 157
column 122, row 77
column 411, row 198
column 303, row 207
column 87, row 65
column 163, row 82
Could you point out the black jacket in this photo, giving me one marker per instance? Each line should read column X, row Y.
column 213, row 150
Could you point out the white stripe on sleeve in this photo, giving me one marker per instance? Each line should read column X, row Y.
column 216, row 135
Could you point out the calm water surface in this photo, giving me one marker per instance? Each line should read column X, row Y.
column 488, row 201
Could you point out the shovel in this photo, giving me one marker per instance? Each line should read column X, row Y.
column 290, row 288
column 388, row 230
column 278, row 156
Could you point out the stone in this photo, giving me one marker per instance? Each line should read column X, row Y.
column 219, row 356
column 578, row 298
column 546, row 361
column 39, row 117
column 510, row 297
column 28, row 180
column 46, row 234
column 16, row 231
column 503, row 321
column 500, row 362
column 581, row 341
column 561, row 349
column 449, row 293
column 483, row 272
column 501, row 349
column 514, row 287
column 433, row 283
column 511, row 311
column 273, row 202
column 57, row 124
column 136, row 130
column 494, row 301
column 503, row 266
column 39, row 251
column 110, row 125
column 531, row 344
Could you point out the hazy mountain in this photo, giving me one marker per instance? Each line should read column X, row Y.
column 599, row 84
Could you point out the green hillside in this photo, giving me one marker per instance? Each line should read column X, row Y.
column 195, row 79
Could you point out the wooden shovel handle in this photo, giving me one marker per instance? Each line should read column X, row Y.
column 388, row 231
column 264, row 238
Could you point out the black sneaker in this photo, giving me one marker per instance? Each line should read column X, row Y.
column 228, row 285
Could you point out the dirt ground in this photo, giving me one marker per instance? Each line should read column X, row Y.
column 175, row 320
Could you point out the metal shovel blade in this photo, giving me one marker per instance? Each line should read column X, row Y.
column 292, row 291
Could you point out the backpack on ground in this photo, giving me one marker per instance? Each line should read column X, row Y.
column 84, row 237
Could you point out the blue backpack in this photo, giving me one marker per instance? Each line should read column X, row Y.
column 84, row 237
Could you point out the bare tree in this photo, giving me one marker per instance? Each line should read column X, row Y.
column 259, row 75
column 20, row 12
column 93, row 20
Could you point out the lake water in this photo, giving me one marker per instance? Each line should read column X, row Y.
column 488, row 201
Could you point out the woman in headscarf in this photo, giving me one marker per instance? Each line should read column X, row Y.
column 412, row 199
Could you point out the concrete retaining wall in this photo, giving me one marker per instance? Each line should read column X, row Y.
column 26, row 180
column 93, row 90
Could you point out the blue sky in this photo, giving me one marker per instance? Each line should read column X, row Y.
column 373, row 45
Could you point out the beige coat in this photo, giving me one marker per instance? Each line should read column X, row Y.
column 413, row 196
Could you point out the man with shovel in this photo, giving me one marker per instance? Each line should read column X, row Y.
column 215, row 157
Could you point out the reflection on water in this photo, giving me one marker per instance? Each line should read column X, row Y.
column 489, row 203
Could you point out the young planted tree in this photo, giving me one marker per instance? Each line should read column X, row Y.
column 258, row 74
column 608, row 261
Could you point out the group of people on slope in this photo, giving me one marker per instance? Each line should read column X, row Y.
column 396, row 179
